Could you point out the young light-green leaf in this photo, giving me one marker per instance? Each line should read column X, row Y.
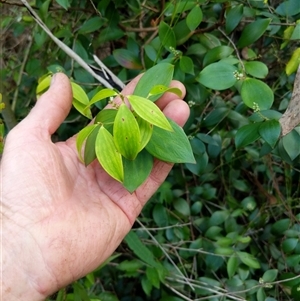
column 256, row 94
column 82, row 136
column 149, row 111
column 126, row 133
column 89, row 148
column 102, row 94
column 137, row 171
column 160, row 89
column 146, row 130
column 171, row 146
column 108, row 155
column 160, row 74
column 79, row 94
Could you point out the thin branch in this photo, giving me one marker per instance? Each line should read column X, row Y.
column 67, row 49
column 291, row 117
column 166, row 254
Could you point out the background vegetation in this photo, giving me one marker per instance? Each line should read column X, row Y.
column 228, row 227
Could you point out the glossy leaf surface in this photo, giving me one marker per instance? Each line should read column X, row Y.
column 256, row 94
column 218, row 76
column 253, row 32
column 137, row 171
column 102, row 94
column 82, row 136
column 160, row 74
column 108, row 155
column 149, row 111
column 247, row 134
column 171, row 146
column 126, row 133
column 270, row 131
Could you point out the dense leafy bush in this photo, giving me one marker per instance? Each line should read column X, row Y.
column 227, row 227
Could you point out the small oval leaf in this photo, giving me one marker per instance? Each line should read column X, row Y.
column 218, row 76
column 108, row 155
column 127, row 59
column 252, row 32
column 256, row 69
column 256, row 94
column 126, row 133
column 149, row 111
column 270, row 131
column 247, row 134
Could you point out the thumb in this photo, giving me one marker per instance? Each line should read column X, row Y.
column 52, row 107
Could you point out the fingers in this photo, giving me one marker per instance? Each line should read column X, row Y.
column 52, row 107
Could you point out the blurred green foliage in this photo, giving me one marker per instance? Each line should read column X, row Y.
column 227, row 227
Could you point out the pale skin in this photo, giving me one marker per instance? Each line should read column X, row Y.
column 60, row 219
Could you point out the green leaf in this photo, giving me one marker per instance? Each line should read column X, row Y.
column 127, row 59
column 91, row 25
column 102, row 94
column 186, row 65
column 289, row 244
column 291, row 144
column 182, row 206
column 137, row 171
column 89, row 149
column 233, row 18
column 126, row 133
column 140, row 250
column 149, row 111
column 160, row 215
column 146, row 285
column 161, row 89
column 194, row 18
column 270, row 131
column 248, row 260
column 160, row 74
column 79, row 94
column 256, row 94
column 108, row 155
column 152, row 276
column 43, row 84
column 252, row 32
column 288, row 8
column 106, row 117
column 64, row 3
column 218, row 76
column 270, row 275
column 171, row 146
column 216, row 54
column 293, row 63
column 166, row 35
column 82, row 109
column 146, row 130
column 247, row 134
column 82, row 136
column 256, row 69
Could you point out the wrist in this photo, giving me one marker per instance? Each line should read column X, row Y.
column 20, row 268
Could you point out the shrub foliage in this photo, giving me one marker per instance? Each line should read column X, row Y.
column 227, row 227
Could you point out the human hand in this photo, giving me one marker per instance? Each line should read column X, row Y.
column 60, row 219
